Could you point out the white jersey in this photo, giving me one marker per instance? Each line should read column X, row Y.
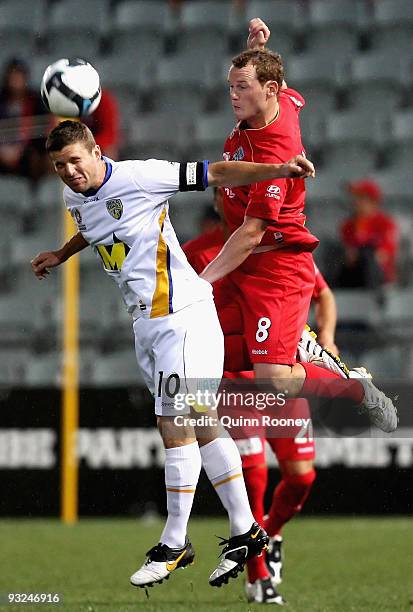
column 127, row 223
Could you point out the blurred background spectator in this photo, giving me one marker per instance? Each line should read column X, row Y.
column 370, row 238
column 20, row 106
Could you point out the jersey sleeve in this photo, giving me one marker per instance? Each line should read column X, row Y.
column 319, row 284
column 266, row 199
column 162, row 179
column 295, row 97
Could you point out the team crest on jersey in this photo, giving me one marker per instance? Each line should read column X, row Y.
column 115, row 208
column 239, row 154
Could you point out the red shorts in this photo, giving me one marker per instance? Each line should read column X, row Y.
column 272, row 292
column 295, row 448
column 285, row 449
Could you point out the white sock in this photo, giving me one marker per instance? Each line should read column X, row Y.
column 182, row 468
column 222, row 463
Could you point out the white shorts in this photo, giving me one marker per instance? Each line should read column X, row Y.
column 180, row 353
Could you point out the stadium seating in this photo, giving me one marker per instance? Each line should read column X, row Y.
column 147, row 15
column 392, row 30
column 66, row 32
column 168, row 68
column 402, row 137
column 20, row 27
column 285, row 20
column 15, row 194
column 118, row 368
column 333, row 28
column 152, row 135
column 210, row 14
column 13, row 366
column 377, row 82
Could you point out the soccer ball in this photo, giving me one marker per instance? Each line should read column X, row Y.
column 71, row 88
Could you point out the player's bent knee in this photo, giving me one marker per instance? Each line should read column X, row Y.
column 174, row 435
column 302, row 483
column 295, row 467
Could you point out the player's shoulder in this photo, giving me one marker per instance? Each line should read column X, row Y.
column 292, row 96
column 70, row 196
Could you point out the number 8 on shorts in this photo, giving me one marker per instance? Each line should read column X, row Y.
column 264, row 325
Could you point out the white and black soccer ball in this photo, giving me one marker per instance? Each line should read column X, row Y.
column 71, row 88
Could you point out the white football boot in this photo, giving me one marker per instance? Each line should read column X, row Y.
column 310, row 351
column 379, row 408
column 263, row 591
column 236, row 552
column 274, row 559
column 161, row 561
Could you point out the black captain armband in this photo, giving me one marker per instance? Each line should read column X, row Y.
column 193, row 176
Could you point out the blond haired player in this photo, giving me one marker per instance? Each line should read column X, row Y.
column 121, row 210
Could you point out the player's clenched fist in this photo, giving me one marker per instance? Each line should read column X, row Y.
column 258, row 35
column 43, row 261
column 298, row 167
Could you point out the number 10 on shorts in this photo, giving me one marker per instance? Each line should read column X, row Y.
column 264, row 325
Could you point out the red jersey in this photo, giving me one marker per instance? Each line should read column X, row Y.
column 378, row 231
column 200, row 251
column 280, row 201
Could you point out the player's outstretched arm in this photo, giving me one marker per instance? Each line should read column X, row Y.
column 326, row 319
column 50, row 259
column 234, row 173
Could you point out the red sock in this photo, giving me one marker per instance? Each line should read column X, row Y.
column 256, row 482
column 288, row 499
column 323, row 383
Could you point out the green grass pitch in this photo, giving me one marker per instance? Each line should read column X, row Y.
column 331, row 565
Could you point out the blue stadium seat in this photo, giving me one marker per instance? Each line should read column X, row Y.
column 163, row 135
column 213, row 129
column 91, row 17
column 15, row 192
column 282, row 15
column 398, row 316
column 308, row 70
column 401, row 137
column 211, row 14
column 386, row 363
column 183, row 84
column 14, row 362
column 397, row 182
column 151, row 16
column 186, row 209
column 75, row 27
column 392, row 28
column 49, row 194
column 46, row 369
column 356, row 127
column 354, row 305
column 333, row 27
column 377, row 81
column 71, row 43
column 349, row 160
column 123, row 73
column 16, row 320
column 143, row 48
column 117, row 369
column 17, row 17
